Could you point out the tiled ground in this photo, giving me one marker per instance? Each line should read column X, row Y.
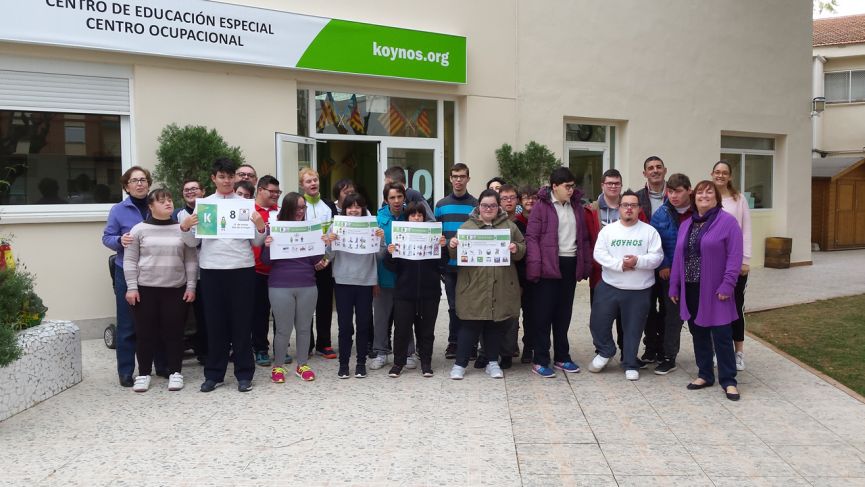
column 790, row 428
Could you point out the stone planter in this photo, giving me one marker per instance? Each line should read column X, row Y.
column 50, row 363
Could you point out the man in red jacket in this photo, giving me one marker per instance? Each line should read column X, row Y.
column 266, row 200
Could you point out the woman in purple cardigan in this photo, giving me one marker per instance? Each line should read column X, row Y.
column 706, row 265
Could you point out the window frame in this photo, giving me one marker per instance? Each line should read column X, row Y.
column 740, row 179
column 849, row 100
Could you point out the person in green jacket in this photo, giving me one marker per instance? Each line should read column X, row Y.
column 487, row 298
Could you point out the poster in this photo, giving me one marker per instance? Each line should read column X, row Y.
column 487, row 248
column 295, row 239
column 225, row 218
column 416, row 240
column 355, row 234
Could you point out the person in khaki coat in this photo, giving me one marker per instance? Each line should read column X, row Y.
column 487, row 298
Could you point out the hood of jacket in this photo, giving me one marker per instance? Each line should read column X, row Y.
column 475, row 217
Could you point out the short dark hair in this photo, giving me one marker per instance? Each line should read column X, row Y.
column 650, row 159
column 127, row 175
column 629, row 192
column 415, row 207
column 510, row 188
column 224, row 165
column 249, row 166
column 678, row 180
column 351, row 200
column 528, row 191
column 561, row 175
column 611, row 173
column 289, row 207
column 396, row 174
column 158, row 194
column 390, row 186
column 246, row 185
column 266, row 180
column 459, row 167
column 191, row 180
column 496, row 180
column 339, row 186
column 487, row 193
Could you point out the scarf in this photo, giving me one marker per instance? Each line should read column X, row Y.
column 704, row 222
column 313, row 200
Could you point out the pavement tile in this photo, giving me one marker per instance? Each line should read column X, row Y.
column 539, row 459
column 760, row 482
column 650, row 460
column 739, row 460
column 569, row 481
column 824, row 461
column 663, row 480
column 836, row 481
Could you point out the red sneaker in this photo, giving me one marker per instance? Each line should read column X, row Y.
column 326, row 352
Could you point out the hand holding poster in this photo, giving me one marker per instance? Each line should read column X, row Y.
column 225, row 218
column 416, row 240
column 295, row 239
column 487, row 248
column 355, row 234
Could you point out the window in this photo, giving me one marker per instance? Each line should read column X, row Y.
column 844, row 86
column 752, row 163
column 590, row 150
column 376, row 115
column 51, row 158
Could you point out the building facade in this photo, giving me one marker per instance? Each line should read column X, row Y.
column 602, row 84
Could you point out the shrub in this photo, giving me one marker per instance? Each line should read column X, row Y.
column 20, row 308
column 531, row 167
column 187, row 153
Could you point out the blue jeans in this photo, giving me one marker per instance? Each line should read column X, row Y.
column 707, row 338
column 125, row 335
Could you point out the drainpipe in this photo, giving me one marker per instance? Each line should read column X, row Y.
column 817, row 90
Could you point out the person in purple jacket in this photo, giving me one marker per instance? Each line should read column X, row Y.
column 558, row 255
column 706, row 265
column 122, row 217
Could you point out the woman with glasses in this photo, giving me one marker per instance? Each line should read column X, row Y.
column 487, row 298
column 123, row 216
column 293, row 294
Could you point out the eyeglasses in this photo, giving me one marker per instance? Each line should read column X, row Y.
column 488, row 206
column 630, row 206
column 191, row 190
column 271, row 191
column 137, row 180
column 300, row 208
column 508, row 198
column 569, row 186
column 530, row 198
column 245, row 175
column 613, row 185
column 459, row 177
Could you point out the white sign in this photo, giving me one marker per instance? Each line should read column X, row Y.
column 416, row 240
column 355, row 234
column 295, row 239
column 487, row 248
column 225, row 218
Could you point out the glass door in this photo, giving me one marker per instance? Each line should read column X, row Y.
column 588, row 165
column 421, row 162
column 293, row 153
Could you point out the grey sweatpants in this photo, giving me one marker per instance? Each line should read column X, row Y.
column 634, row 307
column 292, row 308
column 382, row 312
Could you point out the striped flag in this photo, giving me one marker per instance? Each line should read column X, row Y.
column 393, row 120
column 355, row 120
column 423, row 123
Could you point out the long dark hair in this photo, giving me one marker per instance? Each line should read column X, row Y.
column 351, row 200
column 288, row 212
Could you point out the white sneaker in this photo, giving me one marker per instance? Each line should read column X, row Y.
column 378, row 362
column 457, row 372
column 598, row 363
column 142, row 383
column 175, row 382
column 493, row 370
column 740, row 361
column 632, row 374
column 411, row 362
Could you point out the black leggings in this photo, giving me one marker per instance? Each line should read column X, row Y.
column 159, row 320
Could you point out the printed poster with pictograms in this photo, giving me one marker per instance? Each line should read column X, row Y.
column 224, row 218
column 483, row 248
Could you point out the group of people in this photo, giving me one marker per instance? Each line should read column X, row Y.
column 654, row 258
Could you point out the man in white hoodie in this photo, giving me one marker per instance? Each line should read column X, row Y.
column 628, row 251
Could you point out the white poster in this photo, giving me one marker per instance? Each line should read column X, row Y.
column 355, row 234
column 295, row 239
column 225, row 218
column 416, row 240
column 484, row 247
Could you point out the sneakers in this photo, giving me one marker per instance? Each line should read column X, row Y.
column 632, row 374
column 343, row 372
column 262, row 359
column 457, row 372
column 277, row 375
column 650, row 356
column 598, row 363
column 175, row 381
column 209, row 385
column 665, row 367
column 544, row 372
column 569, row 367
column 244, row 385
column 379, row 361
column 740, row 361
column 305, row 373
column 426, row 370
column 326, row 352
column 360, row 371
column 395, row 371
column 410, row 362
column 451, row 351
column 288, row 359
column 142, row 383
column 493, row 370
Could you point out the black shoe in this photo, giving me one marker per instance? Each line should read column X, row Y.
column 642, row 364
column 650, row 356
column 244, row 385
column 665, row 367
column 481, row 362
column 395, row 371
column 343, row 372
column 426, row 370
column 127, row 381
column 360, row 371
column 209, row 385
column 693, row 387
column 527, row 356
column 733, row 396
column 451, row 351
column 506, row 362
column 474, row 354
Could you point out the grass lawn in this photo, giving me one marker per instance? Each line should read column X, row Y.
column 827, row 335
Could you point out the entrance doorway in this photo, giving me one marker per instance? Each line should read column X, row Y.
column 349, row 159
column 587, row 166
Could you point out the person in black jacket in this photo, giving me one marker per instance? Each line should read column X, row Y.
column 416, row 302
